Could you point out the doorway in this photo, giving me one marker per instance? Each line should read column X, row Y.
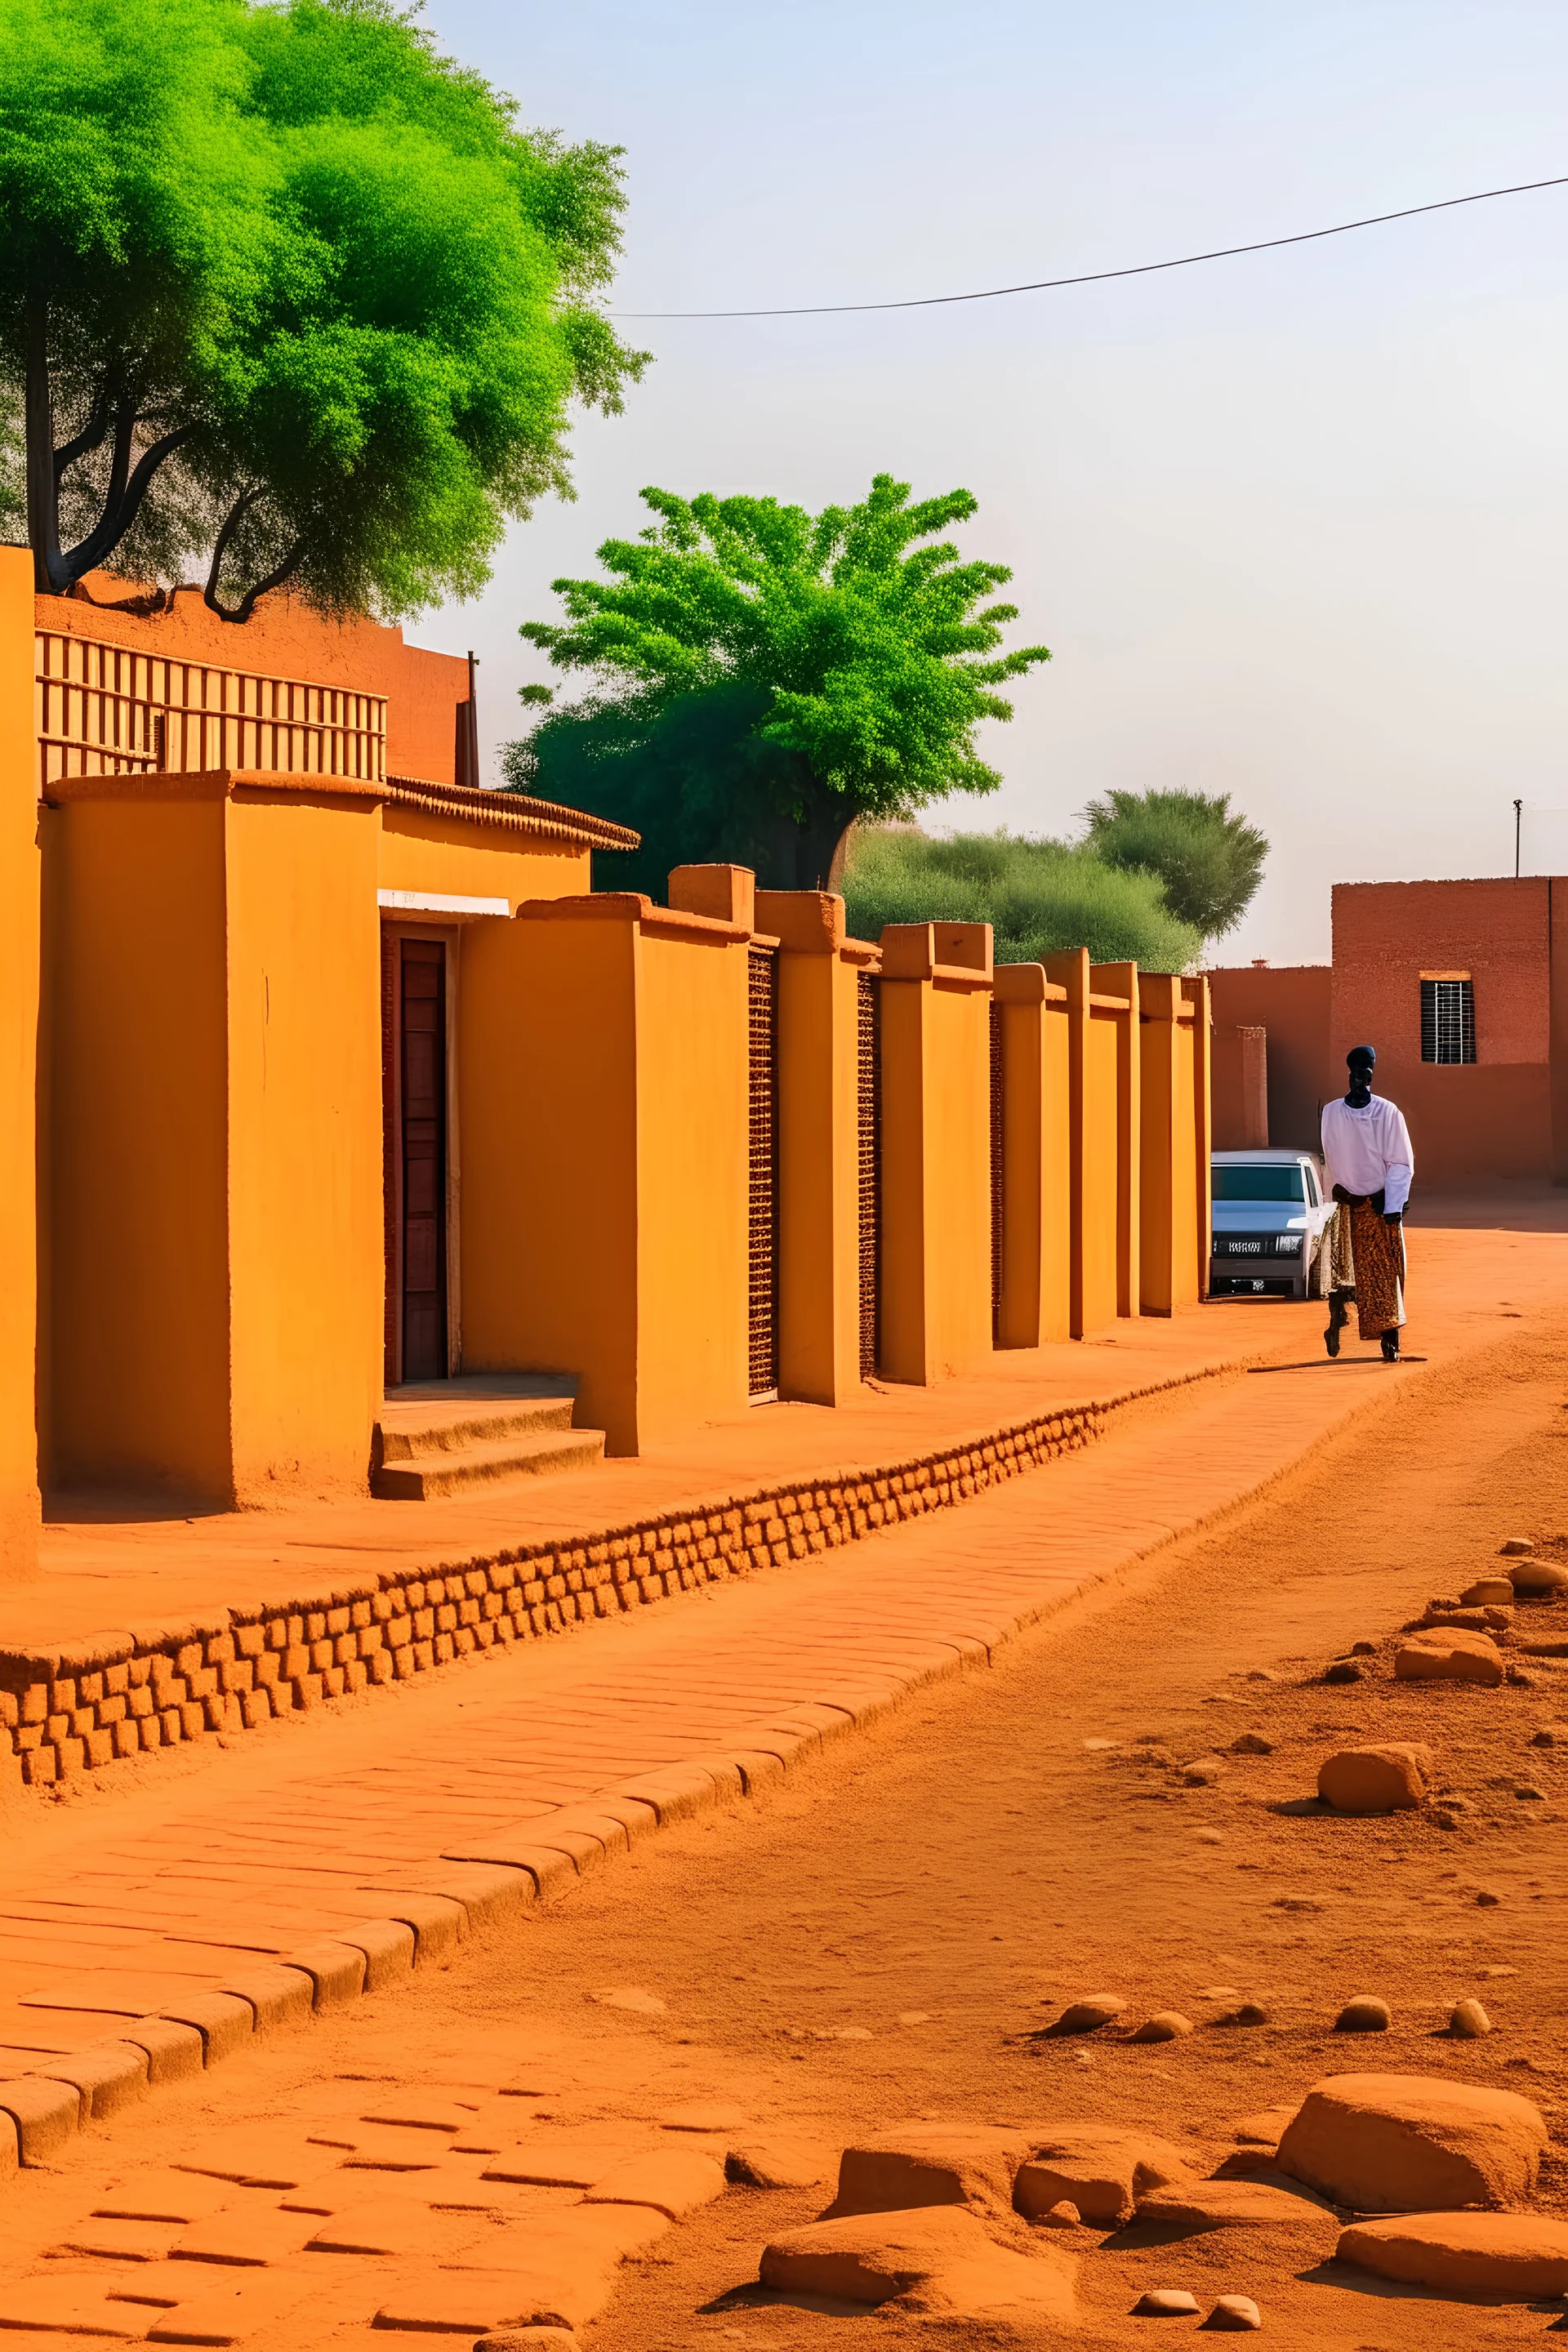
column 417, row 977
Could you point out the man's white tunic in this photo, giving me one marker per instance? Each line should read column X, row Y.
column 1368, row 1151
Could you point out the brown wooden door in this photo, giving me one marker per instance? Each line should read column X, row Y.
column 424, row 1124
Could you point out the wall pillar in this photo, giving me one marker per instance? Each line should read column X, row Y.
column 1167, row 1269
column 1557, row 1037
column 936, row 1149
column 818, row 1048
column 1196, row 992
column 1036, row 1157
column 1114, row 990
column 19, row 950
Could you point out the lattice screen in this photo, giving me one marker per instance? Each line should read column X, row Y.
column 869, row 1074
column 762, row 1323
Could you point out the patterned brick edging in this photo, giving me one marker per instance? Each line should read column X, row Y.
column 479, row 1889
column 111, row 1694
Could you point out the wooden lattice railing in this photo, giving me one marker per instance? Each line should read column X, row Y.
column 104, row 709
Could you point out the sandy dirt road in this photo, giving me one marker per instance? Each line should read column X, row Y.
column 883, row 1938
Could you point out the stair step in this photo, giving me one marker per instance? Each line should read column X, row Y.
column 474, row 1409
column 540, row 1454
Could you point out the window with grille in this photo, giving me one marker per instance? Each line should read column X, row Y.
column 762, row 1328
column 870, row 1087
column 1448, row 1021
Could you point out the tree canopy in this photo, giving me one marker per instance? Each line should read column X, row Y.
column 766, row 676
column 1039, row 896
column 1209, row 861
column 286, row 294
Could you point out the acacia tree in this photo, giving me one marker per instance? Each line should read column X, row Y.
column 766, row 677
column 1209, row 861
column 286, row 293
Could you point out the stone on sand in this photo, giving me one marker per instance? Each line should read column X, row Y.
column 1103, row 2168
column 1166, row 2303
column 1200, row 2205
column 1236, row 2315
column 763, row 2162
column 1499, row 1590
column 924, row 2165
column 1517, row 2256
column 941, row 2257
column 1538, row 1576
column 1365, row 2014
column 1346, row 1670
column 1165, row 2025
column 1395, row 1777
column 1514, row 1547
column 1087, row 2016
column 1252, row 1743
column 1414, row 2143
column 1468, row 2021
column 1453, row 1655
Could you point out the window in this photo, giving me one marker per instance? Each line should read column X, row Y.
column 1448, row 1021
column 1258, row 1183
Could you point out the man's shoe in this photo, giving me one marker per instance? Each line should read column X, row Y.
column 1331, row 1339
column 1391, row 1346
column 1338, row 1316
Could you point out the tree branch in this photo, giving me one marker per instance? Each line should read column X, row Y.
column 90, row 438
column 123, row 501
column 280, row 571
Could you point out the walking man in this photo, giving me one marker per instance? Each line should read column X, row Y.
column 1366, row 1145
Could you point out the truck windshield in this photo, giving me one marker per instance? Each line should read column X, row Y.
column 1258, row 1184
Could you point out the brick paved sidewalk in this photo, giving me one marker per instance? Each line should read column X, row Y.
column 344, row 1844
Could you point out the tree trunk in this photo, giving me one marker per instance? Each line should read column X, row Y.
column 49, row 578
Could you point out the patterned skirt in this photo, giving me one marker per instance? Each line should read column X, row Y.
column 1377, row 1260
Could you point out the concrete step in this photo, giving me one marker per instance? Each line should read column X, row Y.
column 449, row 1437
column 446, row 1471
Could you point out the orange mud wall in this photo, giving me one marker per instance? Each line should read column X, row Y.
column 216, row 1249
column 437, row 853
column 1489, row 1117
column 935, row 1282
column 1096, row 1064
column 19, row 1071
column 283, row 639
column 1035, row 1303
column 1292, row 1003
column 603, row 1084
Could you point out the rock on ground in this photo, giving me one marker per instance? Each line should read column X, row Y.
column 1539, row 1576
column 942, row 2257
column 1102, row 2168
column 1468, row 2021
column 1409, row 2143
column 1497, row 1590
column 1235, row 2312
column 764, row 2163
column 1166, row 2303
column 1201, row 2205
column 1515, row 2255
column 1088, row 2016
column 930, row 2164
column 1453, row 1655
column 1165, row 2025
column 1394, row 1778
column 1364, row 2014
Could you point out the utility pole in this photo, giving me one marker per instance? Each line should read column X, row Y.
column 1518, row 810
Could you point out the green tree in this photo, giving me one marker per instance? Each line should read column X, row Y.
column 766, row 677
column 286, row 294
column 1039, row 896
column 1209, row 861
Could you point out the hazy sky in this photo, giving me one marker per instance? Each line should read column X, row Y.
column 1293, row 526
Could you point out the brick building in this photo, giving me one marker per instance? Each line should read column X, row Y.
column 1463, row 989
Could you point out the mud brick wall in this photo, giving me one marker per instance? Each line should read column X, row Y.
column 74, row 1709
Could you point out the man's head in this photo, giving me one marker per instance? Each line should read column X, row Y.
column 1360, row 1061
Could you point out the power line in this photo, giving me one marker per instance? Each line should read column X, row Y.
column 1099, row 277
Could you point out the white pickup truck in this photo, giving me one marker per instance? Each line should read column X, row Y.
column 1271, row 1214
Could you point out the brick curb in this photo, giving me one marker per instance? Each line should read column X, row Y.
column 73, row 1709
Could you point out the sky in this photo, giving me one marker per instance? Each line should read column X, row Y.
column 1294, row 525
